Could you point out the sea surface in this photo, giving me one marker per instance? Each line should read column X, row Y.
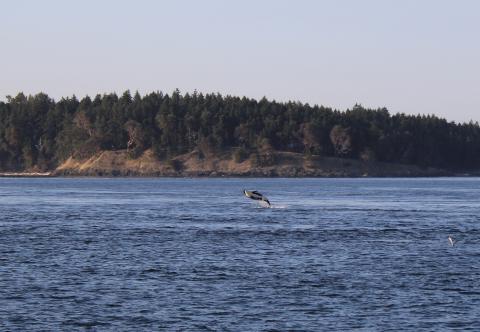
column 129, row 254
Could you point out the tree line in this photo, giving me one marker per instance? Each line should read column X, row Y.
column 38, row 132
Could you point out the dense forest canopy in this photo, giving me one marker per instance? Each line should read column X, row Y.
column 37, row 132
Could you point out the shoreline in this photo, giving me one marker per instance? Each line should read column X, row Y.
column 26, row 174
column 274, row 164
column 219, row 176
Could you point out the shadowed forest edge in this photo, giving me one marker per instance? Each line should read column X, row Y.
column 199, row 134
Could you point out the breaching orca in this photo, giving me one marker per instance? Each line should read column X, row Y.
column 256, row 196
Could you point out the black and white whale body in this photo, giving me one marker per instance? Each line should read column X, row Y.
column 255, row 195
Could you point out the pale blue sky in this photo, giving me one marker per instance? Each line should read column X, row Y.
column 419, row 56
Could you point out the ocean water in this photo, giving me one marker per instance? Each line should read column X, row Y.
column 126, row 254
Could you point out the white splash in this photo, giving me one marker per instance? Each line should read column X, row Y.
column 278, row 206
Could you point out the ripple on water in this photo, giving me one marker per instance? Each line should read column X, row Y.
column 193, row 254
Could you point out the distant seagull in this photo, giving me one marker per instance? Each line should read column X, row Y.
column 451, row 241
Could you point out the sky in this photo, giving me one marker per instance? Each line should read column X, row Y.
column 410, row 56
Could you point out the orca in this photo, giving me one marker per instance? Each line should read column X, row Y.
column 255, row 195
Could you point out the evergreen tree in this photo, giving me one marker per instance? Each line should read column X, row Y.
column 37, row 132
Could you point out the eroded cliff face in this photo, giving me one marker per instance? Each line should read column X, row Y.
column 284, row 164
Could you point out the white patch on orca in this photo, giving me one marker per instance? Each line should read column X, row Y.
column 264, row 204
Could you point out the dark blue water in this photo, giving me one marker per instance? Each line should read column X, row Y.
column 195, row 255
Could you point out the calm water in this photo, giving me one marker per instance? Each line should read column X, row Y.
column 195, row 255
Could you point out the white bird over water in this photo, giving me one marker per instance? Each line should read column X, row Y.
column 451, row 241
